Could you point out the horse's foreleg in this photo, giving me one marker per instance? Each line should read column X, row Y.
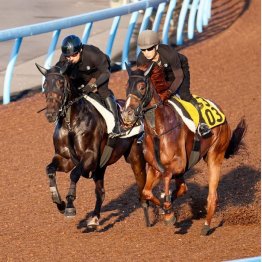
column 152, row 179
column 169, row 216
column 98, row 176
column 214, row 170
column 58, row 164
column 70, row 210
column 138, row 165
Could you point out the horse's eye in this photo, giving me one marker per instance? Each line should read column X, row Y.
column 60, row 82
column 142, row 87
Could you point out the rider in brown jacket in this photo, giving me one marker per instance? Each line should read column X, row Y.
column 176, row 69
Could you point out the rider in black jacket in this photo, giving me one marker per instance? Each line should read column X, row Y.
column 85, row 64
column 176, row 71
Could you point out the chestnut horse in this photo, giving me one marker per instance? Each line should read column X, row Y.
column 168, row 144
column 79, row 138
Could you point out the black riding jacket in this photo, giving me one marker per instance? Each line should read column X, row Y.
column 93, row 64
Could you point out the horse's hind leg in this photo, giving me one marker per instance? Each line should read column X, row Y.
column 58, row 164
column 214, row 163
column 181, row 187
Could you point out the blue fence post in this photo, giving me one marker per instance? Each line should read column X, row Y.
column 159, row 14
column 144, row 24
column 200, row 16
column 130, row 30
column 206, row 13
column 51, row 49
column 166, row 26
column 86, row 32
column 10, row 69
column 112, row 35
column 191, row 19
column 181, row 21
column 209, row 9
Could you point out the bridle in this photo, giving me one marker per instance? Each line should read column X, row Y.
column 144, row 99
column 65, row 94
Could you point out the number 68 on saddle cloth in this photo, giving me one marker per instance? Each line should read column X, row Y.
column 210, row 112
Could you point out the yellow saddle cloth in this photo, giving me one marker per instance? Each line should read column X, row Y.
column 210, row 112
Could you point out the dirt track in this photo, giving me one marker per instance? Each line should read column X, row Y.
column 225, row 67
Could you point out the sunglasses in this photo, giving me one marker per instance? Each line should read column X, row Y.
column 148, row 49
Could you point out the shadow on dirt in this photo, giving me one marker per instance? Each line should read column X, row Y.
column 236, row 189
column 119, row 209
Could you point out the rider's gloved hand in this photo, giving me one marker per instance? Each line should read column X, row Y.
column 165, row 94
column 89, row 88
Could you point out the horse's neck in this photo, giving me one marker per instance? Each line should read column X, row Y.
column 161, row 117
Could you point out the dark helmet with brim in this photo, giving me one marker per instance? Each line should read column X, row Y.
column 71, row 45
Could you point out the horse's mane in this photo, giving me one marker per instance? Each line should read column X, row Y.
column 157, row 77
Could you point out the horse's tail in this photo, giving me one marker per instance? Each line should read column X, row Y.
column 71, row 136
column 236, row 141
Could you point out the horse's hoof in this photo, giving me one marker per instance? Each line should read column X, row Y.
column 170, row 219
column 92, row 222
column 70, row 212
column 61, row 207
column 205, row 230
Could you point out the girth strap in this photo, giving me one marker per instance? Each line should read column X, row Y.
column 195, row 153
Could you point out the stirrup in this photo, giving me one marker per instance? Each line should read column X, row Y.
column 204, row 131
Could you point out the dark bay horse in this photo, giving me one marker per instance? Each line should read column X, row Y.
column 79, row 138
column 168, row 144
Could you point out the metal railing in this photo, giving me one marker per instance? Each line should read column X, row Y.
column 199, row 10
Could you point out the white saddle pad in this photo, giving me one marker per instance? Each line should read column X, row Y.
column 109, row 118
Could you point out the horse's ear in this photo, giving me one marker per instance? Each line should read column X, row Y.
column 41, row 69
column 128, row 69
column 147, row 72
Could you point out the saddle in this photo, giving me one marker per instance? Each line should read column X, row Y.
column 212, row 115
column 109, row 118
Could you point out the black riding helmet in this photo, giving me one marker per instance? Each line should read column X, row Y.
column 71, row 45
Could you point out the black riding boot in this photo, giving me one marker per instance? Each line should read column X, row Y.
column 203, row 129
column 112, row 107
